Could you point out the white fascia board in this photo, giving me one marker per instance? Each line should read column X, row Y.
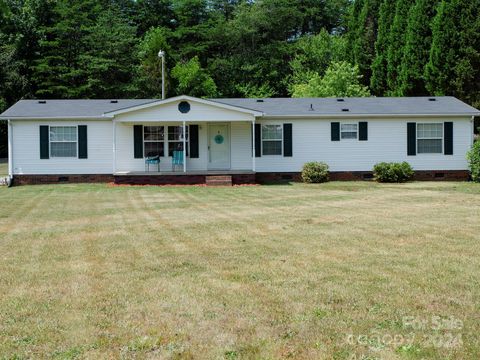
column 185, row 98
column 356, row 116
column 105, row 117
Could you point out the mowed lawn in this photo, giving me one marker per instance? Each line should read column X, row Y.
column 3, row 169
column 344, row 270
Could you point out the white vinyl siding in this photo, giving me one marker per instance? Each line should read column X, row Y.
column 430, row 138
column 26, row 149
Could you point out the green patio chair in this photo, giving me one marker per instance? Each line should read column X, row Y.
column 152, row 160
column 177, row 159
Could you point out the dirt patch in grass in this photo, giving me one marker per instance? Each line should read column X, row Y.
column 326, row 271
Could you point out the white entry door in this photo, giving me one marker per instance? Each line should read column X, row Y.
column 218, row 146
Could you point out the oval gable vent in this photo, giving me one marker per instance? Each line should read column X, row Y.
column 184, row 107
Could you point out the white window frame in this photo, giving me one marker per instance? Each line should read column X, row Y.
column 153, row 141
column 349, row 123
column 187, row 139
column 417, row 138
column 63, row 141
column 280, row 140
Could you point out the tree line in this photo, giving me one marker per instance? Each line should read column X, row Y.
column 239, row 48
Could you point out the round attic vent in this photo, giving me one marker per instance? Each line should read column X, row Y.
column 184, row 107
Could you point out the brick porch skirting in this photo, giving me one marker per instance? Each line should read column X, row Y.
column 237, row 179
column 59, row 179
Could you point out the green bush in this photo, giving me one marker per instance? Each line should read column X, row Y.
column 392, row 172
column 473, row 157
column 315, row 172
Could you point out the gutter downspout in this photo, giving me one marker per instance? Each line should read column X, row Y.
column 10, row 149
column 473, row 130
column 253, row 145
column 114, row 134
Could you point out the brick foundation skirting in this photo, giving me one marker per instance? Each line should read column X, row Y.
column 421, row 175
column 237, row 179
column 59, row 179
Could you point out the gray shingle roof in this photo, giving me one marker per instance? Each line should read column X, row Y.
column 270, row 107
column 356, row 106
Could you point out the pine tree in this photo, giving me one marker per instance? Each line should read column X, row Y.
column 396, row 43
column 454, row 63
column 417, row 49
column 378, row 81
column 362, row 35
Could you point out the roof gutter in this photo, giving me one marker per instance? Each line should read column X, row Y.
column 104, row 117
column 352, row 115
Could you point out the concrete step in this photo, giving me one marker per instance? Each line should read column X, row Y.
column 218, row 180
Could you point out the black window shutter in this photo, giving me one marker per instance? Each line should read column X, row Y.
column 363, row 131
column 82, row 142
column 138, row 141
column 448, row 138
column 44, row 142
column 411, row 138
column 287, row 140
column 258, row 140
column 193, row 135
column 335, row 131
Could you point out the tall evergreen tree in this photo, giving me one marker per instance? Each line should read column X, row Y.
column 378, row 81
column 362, row 29
column 396, row 43
column 454, row 64
column 417, row 49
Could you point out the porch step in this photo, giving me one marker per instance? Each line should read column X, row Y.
column 218, row 180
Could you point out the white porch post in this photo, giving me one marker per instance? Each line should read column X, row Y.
column 114, row 134
column 184, row 148
column 10, row 149
column 253, row 144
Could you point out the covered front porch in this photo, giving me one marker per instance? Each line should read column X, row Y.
column 183, row 136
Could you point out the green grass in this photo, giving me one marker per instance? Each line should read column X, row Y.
column 3, row 169
column 303, row 271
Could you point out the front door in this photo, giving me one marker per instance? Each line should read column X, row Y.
column 218, row 146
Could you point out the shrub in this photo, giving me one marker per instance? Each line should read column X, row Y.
column 315, row 172
column 473, row 157
column 392, row 172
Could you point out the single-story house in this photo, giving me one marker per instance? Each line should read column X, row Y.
column 190, row 140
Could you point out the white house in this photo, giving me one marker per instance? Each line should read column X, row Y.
column 245, row 140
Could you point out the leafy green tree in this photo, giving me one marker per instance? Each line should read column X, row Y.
column 313, row 54
column 395, row 50
column 150, row 14
column 149, row 74
column 417, row 49
column 193, row 80
column 454, row 63
column 341, row 79
column 378, row 81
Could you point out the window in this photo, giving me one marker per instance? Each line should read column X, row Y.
column 175, row 139
column 63, row 141
column 348, row 131
column 153, row 137
column 272, row 139
column 430, row 138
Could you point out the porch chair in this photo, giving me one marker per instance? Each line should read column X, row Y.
column 152, row 160
column 177, row 159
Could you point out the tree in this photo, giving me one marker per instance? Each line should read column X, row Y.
column 396, row 45
column 109, row 62
column 378, row 81
column 341, row 79
column 362, row 33
column 417, row 49
column 454, row 62
column 314, row 54
column 193, row 80
column 149, row 74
